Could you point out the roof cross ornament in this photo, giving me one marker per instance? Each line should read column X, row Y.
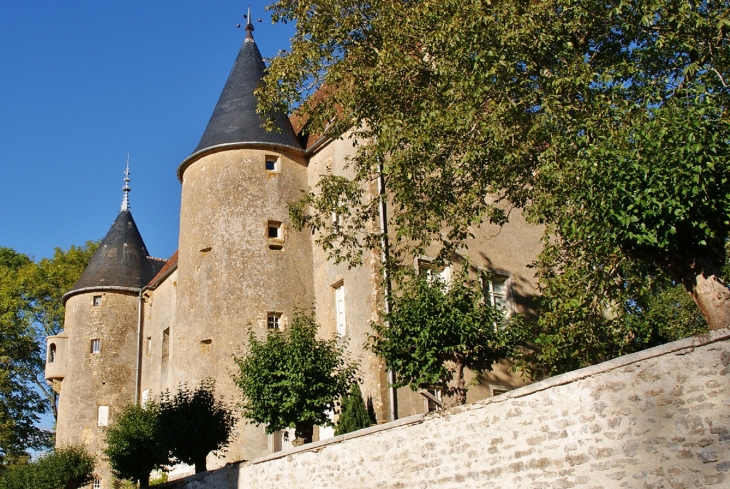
column 126, row 189
column 249, row 26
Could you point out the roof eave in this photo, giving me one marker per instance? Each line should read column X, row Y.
column 228, row 146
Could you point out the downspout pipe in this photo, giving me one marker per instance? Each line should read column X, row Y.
column 383, row 211
column 138, row 371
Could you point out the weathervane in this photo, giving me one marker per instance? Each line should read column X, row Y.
column 126, row 189
column 249, row 26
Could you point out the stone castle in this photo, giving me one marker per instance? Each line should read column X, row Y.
column 136, row 325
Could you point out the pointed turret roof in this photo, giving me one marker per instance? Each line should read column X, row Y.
column 234, row 121
column 120, row 262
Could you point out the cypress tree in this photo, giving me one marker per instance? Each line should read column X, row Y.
column 354, row 415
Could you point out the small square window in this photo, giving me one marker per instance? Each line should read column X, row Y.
column 272, row 163
column 273, row 321
column 96, row 300
column 275, row 235
column 95, row 346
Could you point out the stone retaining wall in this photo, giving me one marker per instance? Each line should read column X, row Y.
column 655, row 419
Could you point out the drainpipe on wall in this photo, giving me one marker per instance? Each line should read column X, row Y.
column 139, row 345
column 386, row 279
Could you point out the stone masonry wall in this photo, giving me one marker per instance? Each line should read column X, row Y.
column 656, row 419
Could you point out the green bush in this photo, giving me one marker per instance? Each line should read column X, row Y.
column 193, row 423
column 292, row 379
column 69, row 467
column 134, row 446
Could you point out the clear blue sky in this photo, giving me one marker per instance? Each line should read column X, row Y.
column 82, row 84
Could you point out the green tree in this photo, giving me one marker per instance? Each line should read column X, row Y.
column 606, row 120
column 292, row 379
column 433, row 332
column 599, row 307
column 69, row 467
column 193, row 423
column 20, row 363
column 353, row 413
column 134, row 443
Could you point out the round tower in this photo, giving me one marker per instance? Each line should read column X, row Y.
column 241, row 265
column 92, row 363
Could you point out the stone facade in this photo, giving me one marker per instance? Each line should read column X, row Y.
column 655, row 419
column 241, row 263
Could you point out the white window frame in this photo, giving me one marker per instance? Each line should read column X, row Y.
column 273, row 321
column 95, row 346
column 102, row 416
column 340, row 310
column 489, row 279
column 427, row 267
column 96, row 484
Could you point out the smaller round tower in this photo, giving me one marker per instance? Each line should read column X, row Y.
column 92, row 362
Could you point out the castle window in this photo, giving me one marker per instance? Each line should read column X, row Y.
column 496, row 290
column 340, row 308
column 102, row 418
column 275, row 235
column 95, row 346
column 433, row 271
column 165, row 346
column 97, row 484
column 96, row 300
column 51, row 353
column 272, row 163
column 273, row 321
column 149, row 345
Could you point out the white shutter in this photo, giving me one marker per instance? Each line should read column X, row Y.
column 103, row 417
column 340, row 309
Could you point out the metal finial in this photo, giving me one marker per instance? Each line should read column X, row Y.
column 249, row 27
column 126, row 189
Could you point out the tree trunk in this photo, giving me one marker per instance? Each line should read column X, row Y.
column 200, row 465
column 305, row 432
column 454, row 393
column 709, row 292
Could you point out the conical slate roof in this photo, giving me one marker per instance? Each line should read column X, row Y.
column 121, row 261
column 234, row 120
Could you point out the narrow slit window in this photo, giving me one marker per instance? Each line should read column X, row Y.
column 340, row 309
column 95, row 346
column 52, row 353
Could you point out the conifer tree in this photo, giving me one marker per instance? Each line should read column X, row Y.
column 354, row 415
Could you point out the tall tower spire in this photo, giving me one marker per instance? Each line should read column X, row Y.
column 126, row 189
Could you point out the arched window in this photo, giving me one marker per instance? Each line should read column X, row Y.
column 51, row 352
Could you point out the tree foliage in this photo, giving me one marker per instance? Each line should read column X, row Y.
column 193, row 423
column 31, row 309
column 595, row 308
column 606, row 120
column 69, row 467
column 353, row 414
column 433, row 332
column 292, row 379
column 134, row 443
